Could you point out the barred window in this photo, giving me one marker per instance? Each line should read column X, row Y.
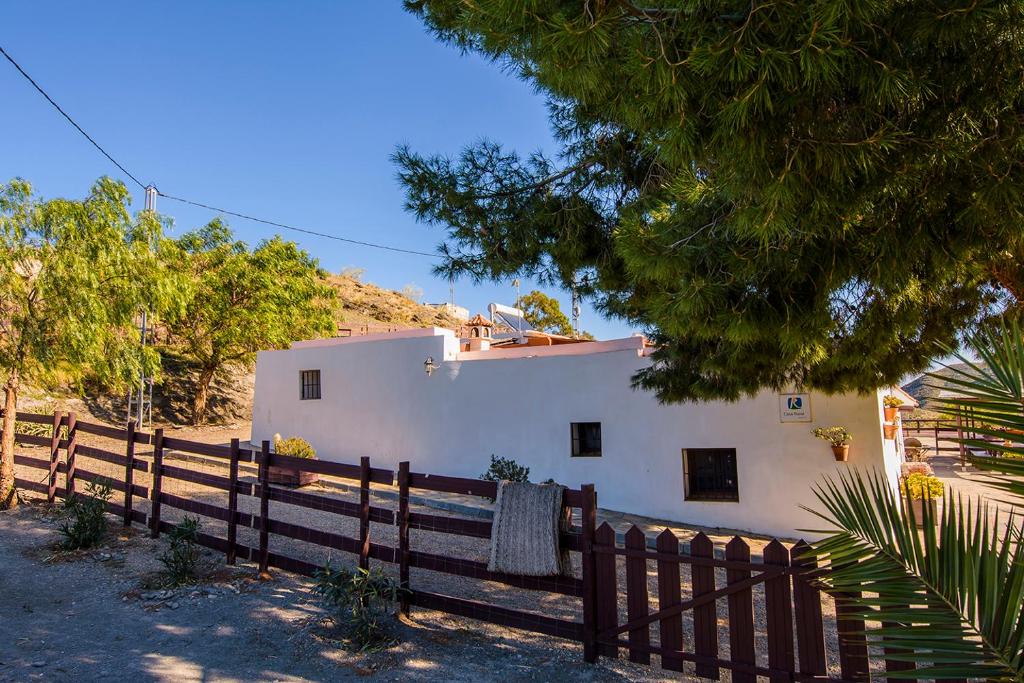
column 586, row 439
column 309, row 382
column 710, row 474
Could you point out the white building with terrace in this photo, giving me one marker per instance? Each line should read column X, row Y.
column 568, row 411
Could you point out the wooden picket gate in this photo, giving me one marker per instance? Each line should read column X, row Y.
column 690, row 582
column 792, row 605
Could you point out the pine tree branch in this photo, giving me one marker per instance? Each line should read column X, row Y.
column 582, row 166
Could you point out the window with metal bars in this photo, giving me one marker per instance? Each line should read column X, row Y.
column 586, row 439
column 710, row 474
column 309, row 382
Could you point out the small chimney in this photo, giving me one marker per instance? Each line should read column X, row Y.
column 479, row 333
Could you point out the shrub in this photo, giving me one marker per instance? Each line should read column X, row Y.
column 363, row 599
column 85, row 516
column 836, row 435
column 36, row 429
column 919, row 486
column 891, row 401
column 505, row 469
column 182, row 556
column 295, row 446
column 909, row 468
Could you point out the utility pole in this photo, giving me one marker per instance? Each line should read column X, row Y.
column 143, row 400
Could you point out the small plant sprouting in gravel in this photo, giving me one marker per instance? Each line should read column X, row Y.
column 182, row 557
column 85, row 516
column 363, row 600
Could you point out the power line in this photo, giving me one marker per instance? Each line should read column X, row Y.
column 292, row 227
column 70, row 120
column 200, row 204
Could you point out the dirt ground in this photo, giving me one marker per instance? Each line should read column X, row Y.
column 537, row 652
column 92, row 616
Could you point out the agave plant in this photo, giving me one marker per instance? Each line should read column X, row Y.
column 949, row 596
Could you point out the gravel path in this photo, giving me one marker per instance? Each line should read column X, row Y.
column 90, row 617
column 443, row 544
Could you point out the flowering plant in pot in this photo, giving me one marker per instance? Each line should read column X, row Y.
column 891, row 406
column 295, row 447
column 839, row 437
column 922, row 490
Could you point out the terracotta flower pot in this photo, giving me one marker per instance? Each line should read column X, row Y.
column 841, row 452
column 918, row 506
column 286, row 476
column 890, row 414
column 889, row 431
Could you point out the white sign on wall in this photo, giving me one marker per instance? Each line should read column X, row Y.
column 794, row 407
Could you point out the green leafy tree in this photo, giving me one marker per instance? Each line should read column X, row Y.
column 544, row 314
column 73, row 275
column 245, row 301
column 808, row 193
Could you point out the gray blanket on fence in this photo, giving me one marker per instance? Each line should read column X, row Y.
column 525, row 532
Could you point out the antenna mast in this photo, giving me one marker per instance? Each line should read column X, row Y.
column 519, row 317
column 575, row 312
column 141, row 398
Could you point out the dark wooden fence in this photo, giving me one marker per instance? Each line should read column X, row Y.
column 791, row 616
column 938, row 435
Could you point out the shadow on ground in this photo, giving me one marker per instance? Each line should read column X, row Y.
column 82, row 620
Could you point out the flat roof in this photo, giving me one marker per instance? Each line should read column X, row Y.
column 636, row 343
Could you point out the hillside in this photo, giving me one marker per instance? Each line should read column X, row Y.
column 365, row 304
column 924, row 387
column 362, row 308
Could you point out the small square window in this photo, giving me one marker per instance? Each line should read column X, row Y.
column 586, row 439
column 710, row 474
column 309, row 381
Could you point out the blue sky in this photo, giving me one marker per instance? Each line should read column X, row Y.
column 286, row 111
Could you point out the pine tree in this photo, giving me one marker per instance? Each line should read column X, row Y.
column 810, row 193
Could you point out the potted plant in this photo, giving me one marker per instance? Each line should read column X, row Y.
column 295, row 447
column 839, row 437
column 891, row 407
column 921, row 490
column 889, row 431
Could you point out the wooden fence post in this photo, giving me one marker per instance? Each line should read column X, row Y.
column 894, row 665
column 778, row 603
column 69, row 474
column 264, row 477
column 158, row 466
column 232, row 501
column 636, row 596
column 853, row 649
column 364, row 512
column 960, row 436
column 588, row 520
column 403, row 534
column 705, row 617
column 606, row 604
column 741, row 612
column 51, row 490
column 129, row 473
column 810, row 634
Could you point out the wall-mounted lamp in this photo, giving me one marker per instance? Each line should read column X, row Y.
column 429, row 366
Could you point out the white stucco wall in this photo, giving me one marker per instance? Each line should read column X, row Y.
column 378, row 401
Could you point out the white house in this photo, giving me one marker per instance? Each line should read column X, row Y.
column 569, row 412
